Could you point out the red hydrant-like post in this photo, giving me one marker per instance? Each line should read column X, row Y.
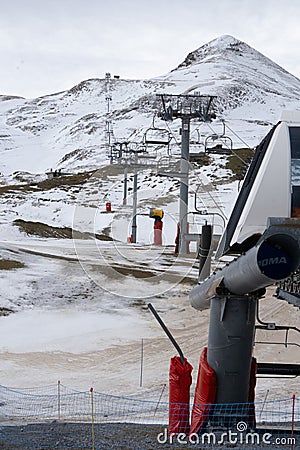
column 157, row 215
column 108, row 206
column 158, row 225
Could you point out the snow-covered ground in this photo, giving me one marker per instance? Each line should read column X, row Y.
column 80, row 305
column 70, row 311
column 83, row 325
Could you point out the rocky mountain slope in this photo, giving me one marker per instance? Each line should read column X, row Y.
column 68, row 131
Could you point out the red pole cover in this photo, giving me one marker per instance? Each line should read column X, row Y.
column 180, row 380
column 205, row 394
column 158, row 225
column 157, row 237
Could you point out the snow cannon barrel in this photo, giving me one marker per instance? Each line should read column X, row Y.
column 274, row 258
column 156, row 213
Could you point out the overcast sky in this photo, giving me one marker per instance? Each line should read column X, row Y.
column 50, row 45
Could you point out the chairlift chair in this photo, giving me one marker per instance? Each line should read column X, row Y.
column 218, row 144
column 157, row 136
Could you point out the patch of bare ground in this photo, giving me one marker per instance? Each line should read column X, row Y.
column 45, row 185
column 10, row 264
column 69, row 180
column 48, row 231
column 5, row 312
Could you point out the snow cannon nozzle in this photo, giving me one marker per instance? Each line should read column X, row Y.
column 275, row 257
column 156, row 213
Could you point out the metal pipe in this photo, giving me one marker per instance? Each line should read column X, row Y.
column 274, row 258
column 278, row 369
column 204, row 252
column 164, row 327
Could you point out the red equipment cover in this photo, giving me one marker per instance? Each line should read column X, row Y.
column 205, row 394
column 180, row 380
column 158, row 225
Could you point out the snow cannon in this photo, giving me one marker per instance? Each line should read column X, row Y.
column 157, row 215
column 273, row 258
column 232, row 294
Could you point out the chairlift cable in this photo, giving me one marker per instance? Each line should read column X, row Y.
column 197, row 128
column 242, row 140
column 171, row 132
column 208, row 192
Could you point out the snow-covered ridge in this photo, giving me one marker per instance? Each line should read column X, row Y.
column 251, row 89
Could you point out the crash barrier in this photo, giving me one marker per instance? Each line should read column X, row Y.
column 58, row 417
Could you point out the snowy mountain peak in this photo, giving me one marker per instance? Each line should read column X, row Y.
column 224, row 42
column 69, row 128
column 221, row 46
column 225, row 39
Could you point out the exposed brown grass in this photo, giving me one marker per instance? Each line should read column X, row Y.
column 10, row 264
column 46, row 231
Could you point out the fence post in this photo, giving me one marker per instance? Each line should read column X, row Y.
column 263, row 405
column 58, row 399
column 293, row 420
column 142, row 362
column 161, row 394
column 93, row 418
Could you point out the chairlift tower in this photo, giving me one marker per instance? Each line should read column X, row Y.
column 136, row 158
column 186, row 107
column 140, row 160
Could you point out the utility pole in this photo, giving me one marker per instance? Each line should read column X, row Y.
column 186, row 107
column 117, row 155
column 108, row 97
column 109, row 130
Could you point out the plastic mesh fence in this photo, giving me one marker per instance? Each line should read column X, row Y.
column 64, row 418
